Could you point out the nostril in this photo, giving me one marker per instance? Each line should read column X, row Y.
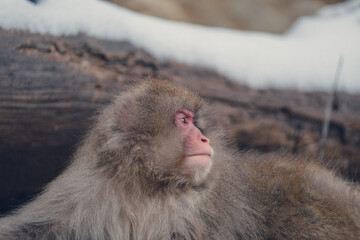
column 205, row 140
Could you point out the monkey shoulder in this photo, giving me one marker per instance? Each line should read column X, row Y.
column 305, row 198
column 279, row 175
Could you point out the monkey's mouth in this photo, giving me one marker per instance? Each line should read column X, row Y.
column 200, row 154
column 208, row 153
column 196, row 161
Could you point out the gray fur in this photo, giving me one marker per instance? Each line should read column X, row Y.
column 122, row 185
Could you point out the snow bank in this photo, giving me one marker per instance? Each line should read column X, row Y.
column 305, row 57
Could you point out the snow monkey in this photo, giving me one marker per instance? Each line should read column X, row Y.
column 154, row 167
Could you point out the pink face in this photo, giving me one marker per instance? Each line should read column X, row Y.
column 198, row 151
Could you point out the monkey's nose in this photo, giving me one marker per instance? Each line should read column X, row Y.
column 205, row 140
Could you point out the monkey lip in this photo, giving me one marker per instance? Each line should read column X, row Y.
column 195, row 161
column 209, row 154
column 198, row 153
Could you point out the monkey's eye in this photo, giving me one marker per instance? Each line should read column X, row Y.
column 183, row 120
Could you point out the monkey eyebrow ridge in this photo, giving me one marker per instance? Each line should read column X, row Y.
column 186, row 112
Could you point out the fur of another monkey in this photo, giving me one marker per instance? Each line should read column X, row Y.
column 154, row 167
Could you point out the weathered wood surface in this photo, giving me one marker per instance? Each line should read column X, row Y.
column 50, row 87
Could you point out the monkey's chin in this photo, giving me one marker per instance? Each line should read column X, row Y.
column 199, row 166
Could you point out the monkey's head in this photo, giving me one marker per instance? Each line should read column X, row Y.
column 156, row 133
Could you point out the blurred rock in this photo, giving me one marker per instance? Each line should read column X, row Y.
column 274, row 16
column 50, row 87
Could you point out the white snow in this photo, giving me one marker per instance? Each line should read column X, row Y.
column 305, row 57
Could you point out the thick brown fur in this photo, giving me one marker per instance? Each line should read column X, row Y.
column 124, row 183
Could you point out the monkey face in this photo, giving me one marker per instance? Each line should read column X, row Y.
column 196, row 147
column 158, row 131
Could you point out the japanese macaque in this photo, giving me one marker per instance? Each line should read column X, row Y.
column 154, row 167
